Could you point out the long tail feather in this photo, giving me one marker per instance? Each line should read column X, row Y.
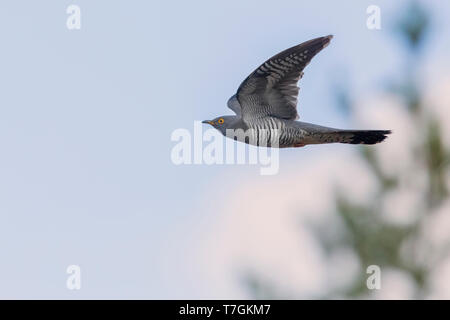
column 366, row 136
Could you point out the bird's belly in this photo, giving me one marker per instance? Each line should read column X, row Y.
column 269, row 132
column 292, row 137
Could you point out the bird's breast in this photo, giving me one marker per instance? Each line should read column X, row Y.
column 266, row 131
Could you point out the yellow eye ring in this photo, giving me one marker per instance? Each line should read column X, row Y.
column 220, row 121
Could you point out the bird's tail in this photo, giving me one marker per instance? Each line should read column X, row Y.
column 360, row 136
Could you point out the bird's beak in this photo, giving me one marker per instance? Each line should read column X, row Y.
column 208, row 122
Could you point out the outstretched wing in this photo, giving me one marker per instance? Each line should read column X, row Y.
column 271, row 90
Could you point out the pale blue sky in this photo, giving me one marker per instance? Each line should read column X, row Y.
column 86, row 118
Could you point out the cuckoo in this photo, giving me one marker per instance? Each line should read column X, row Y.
column 266, row 106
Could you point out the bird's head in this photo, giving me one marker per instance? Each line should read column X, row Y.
column 221, row 123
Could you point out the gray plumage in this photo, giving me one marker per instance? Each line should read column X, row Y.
column 266, row 106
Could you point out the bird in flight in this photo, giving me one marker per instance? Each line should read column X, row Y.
column 266, row 101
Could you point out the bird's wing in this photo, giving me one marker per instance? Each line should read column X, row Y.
column 234, row 105
column 271, row 90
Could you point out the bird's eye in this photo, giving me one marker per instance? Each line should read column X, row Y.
column 220, row 121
